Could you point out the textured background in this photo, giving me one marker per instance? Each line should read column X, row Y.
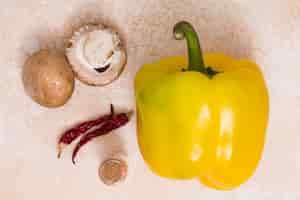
column 266, row 31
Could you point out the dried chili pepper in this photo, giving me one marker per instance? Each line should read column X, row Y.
column 113, row 123
column 72, row 134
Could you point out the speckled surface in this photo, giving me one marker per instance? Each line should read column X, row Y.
column 266, row 31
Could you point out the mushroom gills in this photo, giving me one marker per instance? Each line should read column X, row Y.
column 102, row 69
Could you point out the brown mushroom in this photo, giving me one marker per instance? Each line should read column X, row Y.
column 48, row 78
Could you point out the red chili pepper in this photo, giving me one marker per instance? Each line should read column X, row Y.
column 111, row 124
column 72, row 134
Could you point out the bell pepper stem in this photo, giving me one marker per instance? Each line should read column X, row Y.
column 185, row 30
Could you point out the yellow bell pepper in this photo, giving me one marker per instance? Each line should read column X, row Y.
column 203, row 118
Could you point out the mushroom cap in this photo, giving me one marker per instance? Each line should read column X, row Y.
column 48, row 78
column 96, row 54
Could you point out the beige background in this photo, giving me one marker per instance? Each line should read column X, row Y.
column 266, row 31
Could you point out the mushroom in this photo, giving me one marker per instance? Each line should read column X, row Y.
column 96, row 54
column 48, row 78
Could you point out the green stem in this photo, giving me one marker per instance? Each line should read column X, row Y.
column 185, row 30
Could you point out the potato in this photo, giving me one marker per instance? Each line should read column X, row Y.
column 48, row 78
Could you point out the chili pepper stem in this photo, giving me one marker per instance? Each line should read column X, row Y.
column 60, row 148
column 129, row 114
column 185, row 30
column 112, row 110
column 73, row 161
